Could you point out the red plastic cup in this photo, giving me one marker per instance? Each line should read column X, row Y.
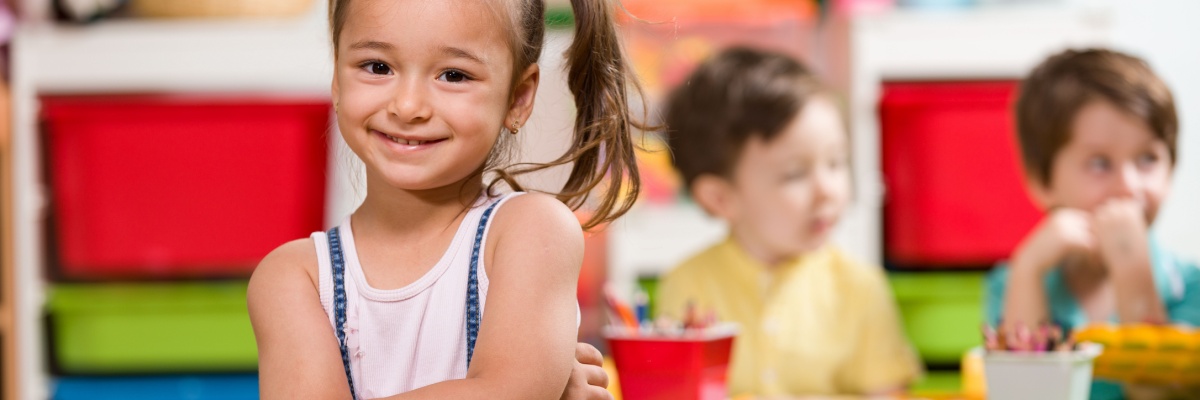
column 689, row 367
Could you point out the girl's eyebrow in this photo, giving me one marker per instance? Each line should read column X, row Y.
column 455, row 52
column 449, row 51
column 373, row 45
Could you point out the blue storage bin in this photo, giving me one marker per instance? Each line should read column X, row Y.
column 172, row 387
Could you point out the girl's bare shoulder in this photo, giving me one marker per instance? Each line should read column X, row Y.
column 289, row 266
column 535, row 222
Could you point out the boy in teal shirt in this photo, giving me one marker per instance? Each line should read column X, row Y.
column 1097, row 132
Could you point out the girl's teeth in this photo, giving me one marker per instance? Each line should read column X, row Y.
column 404, row 141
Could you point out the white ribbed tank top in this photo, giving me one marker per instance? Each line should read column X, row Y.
column 403, row 339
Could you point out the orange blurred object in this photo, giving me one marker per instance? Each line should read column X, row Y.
column 667, row 38
column 622, row 310
column 974, row 384
column 614, row 381
column 720, row 11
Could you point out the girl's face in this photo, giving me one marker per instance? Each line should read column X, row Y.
column 422, row 88
column 1110, row 155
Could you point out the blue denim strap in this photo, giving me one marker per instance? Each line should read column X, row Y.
column 473, row 316
column 339, row 301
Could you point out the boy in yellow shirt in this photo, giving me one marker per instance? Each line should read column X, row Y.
column 761, row 146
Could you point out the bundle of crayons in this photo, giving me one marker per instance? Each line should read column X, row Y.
column 1044, row 338
column 638, row 319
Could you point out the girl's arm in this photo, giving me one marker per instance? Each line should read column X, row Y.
column 298, row 356
column 527, row 337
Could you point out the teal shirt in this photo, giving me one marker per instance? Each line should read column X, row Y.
column 1177, row 281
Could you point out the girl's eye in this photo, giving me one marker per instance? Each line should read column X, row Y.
column 377, row 68
column 453, row 76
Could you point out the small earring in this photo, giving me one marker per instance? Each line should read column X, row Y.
column 515, row 128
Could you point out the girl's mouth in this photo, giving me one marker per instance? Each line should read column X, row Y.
column 409, row 142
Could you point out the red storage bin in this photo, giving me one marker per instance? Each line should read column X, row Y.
column 955, row 194
column 152, row 187
column 687, row 368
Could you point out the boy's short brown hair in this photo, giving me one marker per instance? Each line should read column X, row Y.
column 1059, row 87
column 735, row 95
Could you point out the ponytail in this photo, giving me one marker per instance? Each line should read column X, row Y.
column 602, row 148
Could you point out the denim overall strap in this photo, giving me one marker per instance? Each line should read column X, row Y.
column 473, row 316
column 339, row 301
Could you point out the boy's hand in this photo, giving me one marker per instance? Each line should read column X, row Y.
column 1120, row 230
column 588, row 379
column 1064, row 232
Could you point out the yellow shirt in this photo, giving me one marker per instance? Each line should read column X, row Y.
column 822, row 324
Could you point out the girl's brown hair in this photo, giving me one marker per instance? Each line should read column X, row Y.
column 600, row 79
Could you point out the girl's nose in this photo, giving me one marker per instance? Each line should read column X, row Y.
column 410, row 103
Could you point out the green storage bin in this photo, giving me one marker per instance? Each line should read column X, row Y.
column 938, row 384
column 942, row 312
column 152, row 328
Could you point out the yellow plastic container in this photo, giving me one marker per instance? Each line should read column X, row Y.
column 1146, row 354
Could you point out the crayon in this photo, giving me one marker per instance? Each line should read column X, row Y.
column 624, row 314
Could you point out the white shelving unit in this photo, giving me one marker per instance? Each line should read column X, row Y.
column 261, row 57
column 177, row 56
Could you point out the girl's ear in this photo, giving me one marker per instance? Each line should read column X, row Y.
column 524, row 90
column 334, row 92
column 715, row 195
